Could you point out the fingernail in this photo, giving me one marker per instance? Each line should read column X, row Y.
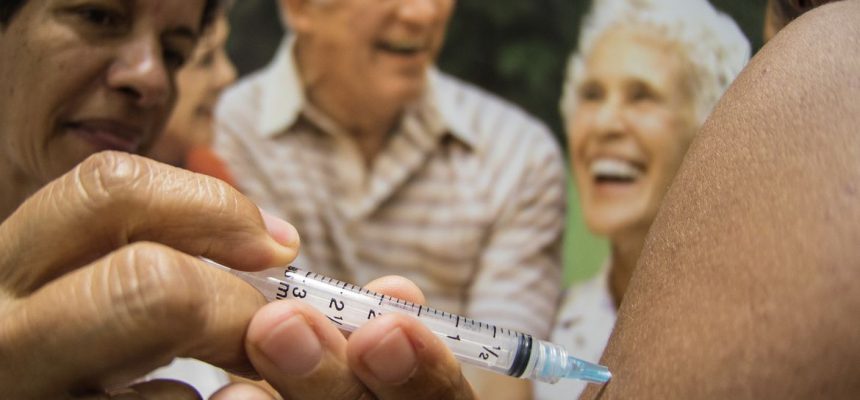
column 293, row 347
column 393, row 359
column 282, row 231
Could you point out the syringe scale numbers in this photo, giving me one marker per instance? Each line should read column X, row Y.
column 472, row 342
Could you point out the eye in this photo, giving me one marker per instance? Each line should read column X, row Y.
column 591, row 91
column 639, row 92
column 100, row 17
column 174, row 58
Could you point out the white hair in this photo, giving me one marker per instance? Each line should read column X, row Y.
column 708, row 40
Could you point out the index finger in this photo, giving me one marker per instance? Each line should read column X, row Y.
column 112, row 199
column 121, row 317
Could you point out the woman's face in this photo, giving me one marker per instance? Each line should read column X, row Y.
column 633, row 123
column 81, row 76
column 200, row 82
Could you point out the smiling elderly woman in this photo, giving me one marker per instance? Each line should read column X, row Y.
column 645, row 77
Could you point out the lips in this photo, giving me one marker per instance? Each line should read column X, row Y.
column 107, row 134
column 402, row 47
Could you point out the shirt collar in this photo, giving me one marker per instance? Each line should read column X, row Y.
column 284, row 98
column 283, row 94
column 445, row 97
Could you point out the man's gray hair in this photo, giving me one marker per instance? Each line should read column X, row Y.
column 709, row 40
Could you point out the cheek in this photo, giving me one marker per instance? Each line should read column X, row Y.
column 577, row 130
column 577, row 147
column 666, row 140
column 446, row 8
column 27, row 109
column 191, row 88
column 660, row 131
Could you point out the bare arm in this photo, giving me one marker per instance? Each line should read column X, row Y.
column 749, row 284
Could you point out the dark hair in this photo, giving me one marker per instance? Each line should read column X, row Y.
column 788, row 10
column 8, row 8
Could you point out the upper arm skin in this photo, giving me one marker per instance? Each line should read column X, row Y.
column 749, row 283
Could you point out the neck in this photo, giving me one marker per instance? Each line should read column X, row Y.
column 368, row 121
column 625, row 253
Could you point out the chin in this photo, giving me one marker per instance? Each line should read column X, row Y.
column 403, row 90
column 611, row 222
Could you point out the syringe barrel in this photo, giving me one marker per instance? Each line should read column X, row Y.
column 476, row 343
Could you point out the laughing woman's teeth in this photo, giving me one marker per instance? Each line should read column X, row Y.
column 614, row 169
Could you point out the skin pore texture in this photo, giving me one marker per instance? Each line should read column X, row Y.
column 85, row 78
column 633, row 123
column 748, row 283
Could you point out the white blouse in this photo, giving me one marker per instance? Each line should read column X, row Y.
column 583, row 326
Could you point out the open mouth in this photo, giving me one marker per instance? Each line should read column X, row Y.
column 402, row 48
column 615, row 171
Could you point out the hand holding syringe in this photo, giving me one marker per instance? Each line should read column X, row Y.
column 487, row 346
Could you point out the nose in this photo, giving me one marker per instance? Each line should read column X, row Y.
column 225, row 73
column 139, row 72
column 419, row 12
column 608, row 120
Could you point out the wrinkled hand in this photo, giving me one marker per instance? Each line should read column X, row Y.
column 99, row 283
column 304, row 356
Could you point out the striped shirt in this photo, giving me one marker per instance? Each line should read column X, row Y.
column 466, row 199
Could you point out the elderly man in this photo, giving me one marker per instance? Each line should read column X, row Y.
column 387, row 166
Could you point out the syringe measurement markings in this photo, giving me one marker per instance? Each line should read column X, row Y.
column 492, row 352
column 397, row 302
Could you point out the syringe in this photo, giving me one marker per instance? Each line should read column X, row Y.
column 476, row 343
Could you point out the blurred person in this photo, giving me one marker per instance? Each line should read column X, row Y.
column 388, row 166
column 188, row 137
column 645, row 77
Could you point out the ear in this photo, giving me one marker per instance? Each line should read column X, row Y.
column 296, row 14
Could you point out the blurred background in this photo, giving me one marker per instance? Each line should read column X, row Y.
column 517, row 49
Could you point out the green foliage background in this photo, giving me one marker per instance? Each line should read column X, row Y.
column 515, row 48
